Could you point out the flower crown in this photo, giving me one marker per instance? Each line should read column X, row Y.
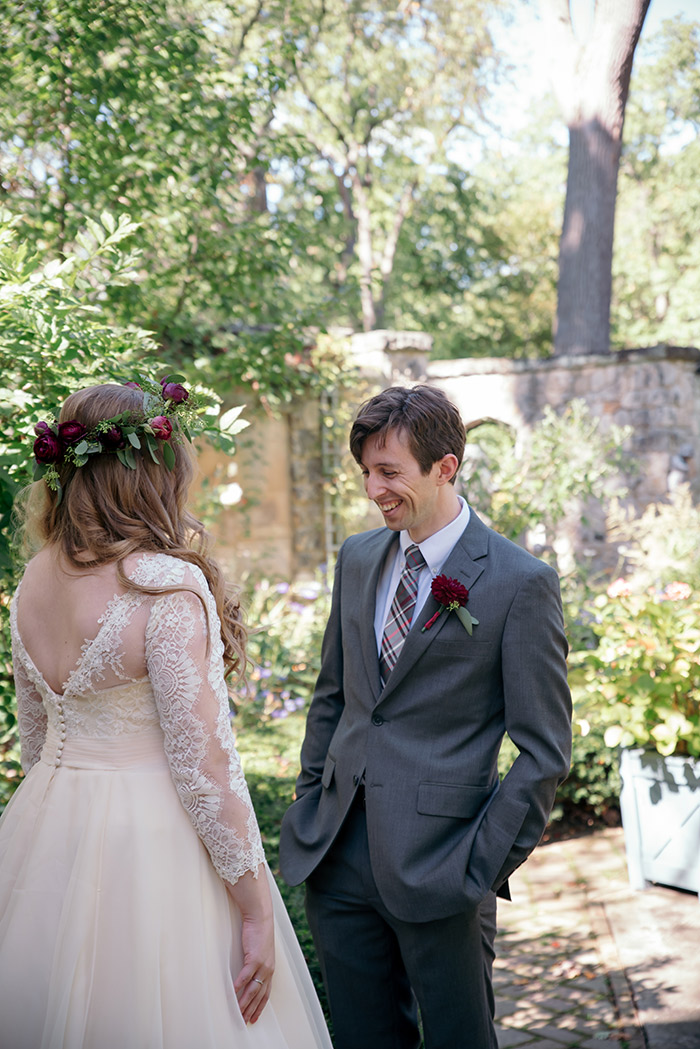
column 168, row 411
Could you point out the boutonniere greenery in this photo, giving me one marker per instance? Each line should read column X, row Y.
column 452, row 597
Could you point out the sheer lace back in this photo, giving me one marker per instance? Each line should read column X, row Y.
column 183, row 691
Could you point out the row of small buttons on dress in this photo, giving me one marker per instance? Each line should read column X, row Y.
column 61, row 735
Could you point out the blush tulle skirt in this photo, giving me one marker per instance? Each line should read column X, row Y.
column 115, row 931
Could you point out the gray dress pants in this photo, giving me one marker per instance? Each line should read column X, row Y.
column 379, row 971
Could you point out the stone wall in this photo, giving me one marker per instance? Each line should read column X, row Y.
column 277, row 527
column 655, row 391
column 281, row 527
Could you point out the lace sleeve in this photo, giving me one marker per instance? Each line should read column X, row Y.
column 31, row 717
column 192, row 700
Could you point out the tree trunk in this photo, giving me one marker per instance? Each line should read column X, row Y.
column 365, row 253
column 591, row 79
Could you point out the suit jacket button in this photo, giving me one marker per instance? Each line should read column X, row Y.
column 377, row 719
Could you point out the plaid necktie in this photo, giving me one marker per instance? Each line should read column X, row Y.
column 398, row 621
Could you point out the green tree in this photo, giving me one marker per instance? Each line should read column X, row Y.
column 154, row 107
column 657, row 254
column 476, row 263
column 381, row 92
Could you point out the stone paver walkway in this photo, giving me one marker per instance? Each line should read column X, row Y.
column 584, row 962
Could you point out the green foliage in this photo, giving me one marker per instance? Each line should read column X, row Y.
column 159, row 107
column 591, row 791
column 642, row 681
column 566, row 462
column 54, row 339
column 637, row 672
column 476, row 261
column 660, row 545
column 657, row 254
column 592, row 788
column 284, row 647
column 378, row 94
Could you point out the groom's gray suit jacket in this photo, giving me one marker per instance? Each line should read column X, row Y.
column 442, row 831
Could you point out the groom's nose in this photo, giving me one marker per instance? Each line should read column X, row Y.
column 373, row 486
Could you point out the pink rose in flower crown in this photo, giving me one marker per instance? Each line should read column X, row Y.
column 71, row 432
column 112, row 439
column 174, row 391
column 452, row 596
column 133, row 385
column 161, row 426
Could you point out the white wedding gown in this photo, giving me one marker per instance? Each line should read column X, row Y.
column 116, row 931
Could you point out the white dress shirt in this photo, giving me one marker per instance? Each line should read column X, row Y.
column 435, row 549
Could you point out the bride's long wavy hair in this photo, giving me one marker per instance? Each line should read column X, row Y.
column 111, row 511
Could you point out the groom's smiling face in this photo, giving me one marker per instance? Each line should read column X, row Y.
column 408, row 498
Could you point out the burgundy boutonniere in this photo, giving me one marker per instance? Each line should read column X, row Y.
column 452, row 597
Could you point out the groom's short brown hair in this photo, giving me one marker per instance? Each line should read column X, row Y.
column 430, row 421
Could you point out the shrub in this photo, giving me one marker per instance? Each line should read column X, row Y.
column 642, row 680
column 286, row 624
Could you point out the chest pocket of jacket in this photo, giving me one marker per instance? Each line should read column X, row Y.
column 455, row 800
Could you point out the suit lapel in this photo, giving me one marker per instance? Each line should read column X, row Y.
column 465, row 563
column 376, row 557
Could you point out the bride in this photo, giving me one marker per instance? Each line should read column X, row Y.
column 136, row 907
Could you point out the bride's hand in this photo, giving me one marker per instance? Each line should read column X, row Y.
column 253, row 982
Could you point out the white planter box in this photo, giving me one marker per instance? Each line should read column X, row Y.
column 660, row 806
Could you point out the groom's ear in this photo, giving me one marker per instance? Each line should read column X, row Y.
column 447, row 468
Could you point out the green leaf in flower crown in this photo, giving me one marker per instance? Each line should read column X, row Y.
column 39, row 471
column 152, row 445
column 168, row 455
column 81, row 448
column 134, row 439
column 126, row 457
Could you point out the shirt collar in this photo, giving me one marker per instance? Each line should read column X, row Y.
column 437, row 547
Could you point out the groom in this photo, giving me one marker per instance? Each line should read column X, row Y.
column 400, row 827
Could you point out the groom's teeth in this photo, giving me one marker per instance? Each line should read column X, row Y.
column 388, row 506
